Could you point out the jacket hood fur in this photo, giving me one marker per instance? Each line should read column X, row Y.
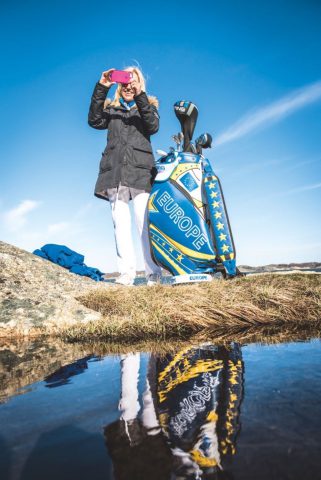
column 152, row 100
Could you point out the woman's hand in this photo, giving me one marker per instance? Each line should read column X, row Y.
column 136, row 86
column 105, row 78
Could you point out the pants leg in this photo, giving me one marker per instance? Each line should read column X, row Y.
column 149, row 416
column 141, row 216
column 126, row 258
column 129, row 405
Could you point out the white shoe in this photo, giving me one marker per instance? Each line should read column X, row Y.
column 153, row 279
column 125, row 279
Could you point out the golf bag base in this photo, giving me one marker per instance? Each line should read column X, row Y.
column 192, row 278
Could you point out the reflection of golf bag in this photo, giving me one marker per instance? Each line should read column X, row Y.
column 188, row 223
column 199, row 395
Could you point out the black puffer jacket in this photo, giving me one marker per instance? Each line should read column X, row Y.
column 128, row 157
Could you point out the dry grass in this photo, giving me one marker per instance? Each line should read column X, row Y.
column 220, row 307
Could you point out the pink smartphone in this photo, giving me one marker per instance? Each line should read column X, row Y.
column 120, row 76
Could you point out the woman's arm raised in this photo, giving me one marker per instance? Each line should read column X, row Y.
column 97, row 118
column 148, row 113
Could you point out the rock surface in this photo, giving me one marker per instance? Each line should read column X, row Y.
column 37, row 296
column 307, row 267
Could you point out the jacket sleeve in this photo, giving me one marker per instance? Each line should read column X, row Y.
column 148, row 113
column 97, row 118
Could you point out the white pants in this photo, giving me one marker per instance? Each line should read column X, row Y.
column 129, row 401
column 126, row 257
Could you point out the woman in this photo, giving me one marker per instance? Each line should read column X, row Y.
column 127, row 167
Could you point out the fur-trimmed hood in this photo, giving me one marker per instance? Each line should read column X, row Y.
column 151, row 99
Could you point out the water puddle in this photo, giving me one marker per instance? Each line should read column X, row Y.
column 201, row 411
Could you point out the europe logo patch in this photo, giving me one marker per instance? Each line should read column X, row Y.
column 188, row 181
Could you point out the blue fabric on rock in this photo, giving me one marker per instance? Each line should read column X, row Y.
column 91, row 272
column 67, row 258
column 40, row 253
column 62, row 255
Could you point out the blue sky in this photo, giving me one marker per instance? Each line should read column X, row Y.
column 252, row 68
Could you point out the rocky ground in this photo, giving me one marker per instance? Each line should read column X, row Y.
column 37, row 295
column 311, row 267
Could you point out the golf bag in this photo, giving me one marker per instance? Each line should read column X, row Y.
column 189, row 229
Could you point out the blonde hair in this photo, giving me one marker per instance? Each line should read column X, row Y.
column 116, row 103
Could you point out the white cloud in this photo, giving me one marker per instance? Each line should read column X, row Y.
column 301, row 164
column 271, row 113
column 304, row 188
column 74, row 225
column 58, row 227
column 16, row 218
column 246, row 169
column 82, row 211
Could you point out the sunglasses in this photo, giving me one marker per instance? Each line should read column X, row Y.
column 127, row 86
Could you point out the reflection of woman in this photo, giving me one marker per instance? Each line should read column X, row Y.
column 190, row 415
column 127, row 167
column 135, row 442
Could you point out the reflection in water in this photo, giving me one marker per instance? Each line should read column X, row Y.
column 190, row 415
column 178, row 415
column 5, row 465
column 136, row 444
column 199, row 393
column 48, row 463
column 62, row 375
column 25, row 362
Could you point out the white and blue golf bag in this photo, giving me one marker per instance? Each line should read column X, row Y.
column 189, row 229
